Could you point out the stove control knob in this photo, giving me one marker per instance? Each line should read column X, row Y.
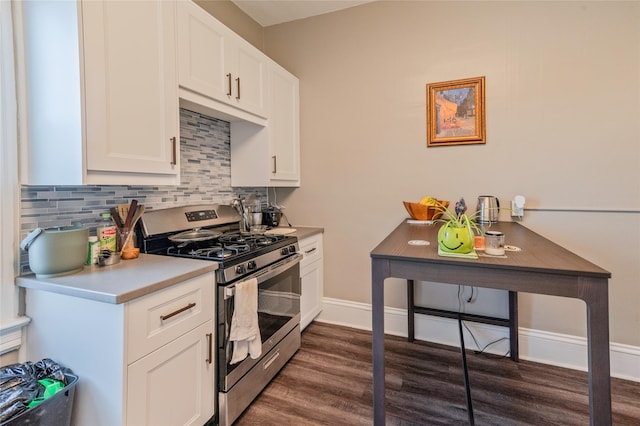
column 284, row 251
column 240, row 269
column 251, row 265
column 292, row 249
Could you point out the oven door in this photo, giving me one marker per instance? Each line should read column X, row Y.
column 279, row 292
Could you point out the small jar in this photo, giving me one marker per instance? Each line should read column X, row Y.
column 494, row 243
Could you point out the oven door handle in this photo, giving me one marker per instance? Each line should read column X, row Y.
column 267, row 273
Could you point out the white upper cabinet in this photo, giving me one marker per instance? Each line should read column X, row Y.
column 131, row 86
column 202, row 44
column 270, row 156
column 248, row 69
column 217, row 68
column 100, row 96
column 284, row 132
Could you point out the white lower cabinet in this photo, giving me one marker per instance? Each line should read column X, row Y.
column 172, row 385
column 149, row 361
column 311, row 274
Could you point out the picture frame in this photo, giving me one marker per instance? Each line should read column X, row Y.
column 455, row 112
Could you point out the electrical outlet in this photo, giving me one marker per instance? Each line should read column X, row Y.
column 517, row 206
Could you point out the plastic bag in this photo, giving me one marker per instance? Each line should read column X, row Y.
column 19, row 385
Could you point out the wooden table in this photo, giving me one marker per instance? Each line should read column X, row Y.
column 541, row 267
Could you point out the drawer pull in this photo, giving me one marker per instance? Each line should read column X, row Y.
column 310, row 251
column 270, row 361
column 174, row 313
column 210, row 356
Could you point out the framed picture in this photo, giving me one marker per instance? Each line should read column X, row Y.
column 455, row 112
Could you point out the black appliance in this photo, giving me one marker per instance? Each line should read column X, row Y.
column 271, row 216
column 272, row 259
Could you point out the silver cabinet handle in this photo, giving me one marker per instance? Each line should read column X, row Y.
column 273, row 170
column 209, row 359
column 310, row 251
column 238, row 86
column 229, row 85
column 174, row 313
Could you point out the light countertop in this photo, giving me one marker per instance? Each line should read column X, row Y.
column 305, row 231
column 130, row 279
column 124, row 281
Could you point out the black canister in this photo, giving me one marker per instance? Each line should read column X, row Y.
column 271, row 216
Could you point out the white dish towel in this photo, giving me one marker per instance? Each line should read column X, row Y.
column 245, row 332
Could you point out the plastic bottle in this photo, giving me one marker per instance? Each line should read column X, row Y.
column 94, row 250
column 107, row 233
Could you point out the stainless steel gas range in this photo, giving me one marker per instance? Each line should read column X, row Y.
column 212, row 232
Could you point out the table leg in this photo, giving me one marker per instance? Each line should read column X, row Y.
column 513, row 325
column 379, row 269
column 411, row 311
column 597, row 300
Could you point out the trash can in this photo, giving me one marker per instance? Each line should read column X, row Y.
column 54, row 410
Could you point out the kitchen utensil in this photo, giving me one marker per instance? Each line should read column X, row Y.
column 123, row 210
column 280, row 231
column 116, row 217
column 56, row 251
column 488, row 208
column 419, row 211
column 132, row 211
column 271, row 216
column 127, row 233
column 194, row 235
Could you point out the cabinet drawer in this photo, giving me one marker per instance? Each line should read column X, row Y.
column 311, row 249
column 165, row 315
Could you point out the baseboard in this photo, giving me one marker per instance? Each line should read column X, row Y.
column 535, row 345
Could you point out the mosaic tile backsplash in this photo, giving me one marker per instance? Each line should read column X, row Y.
column 205, row 164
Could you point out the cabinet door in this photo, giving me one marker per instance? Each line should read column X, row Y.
column 175, row 384
column 248, row 67
column 284, row 134
column 312, row 276
column 131, row 91
column 311, row 298
column 202, row 44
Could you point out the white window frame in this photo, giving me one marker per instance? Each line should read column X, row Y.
column 11, row 322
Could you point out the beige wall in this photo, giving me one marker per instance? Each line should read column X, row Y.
column 563, row 119
column 231, row 16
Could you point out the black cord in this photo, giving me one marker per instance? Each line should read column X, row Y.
column 285, row 218
column 461, row 310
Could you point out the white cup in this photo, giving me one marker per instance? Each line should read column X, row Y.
column 256, row 218
column 494, row 243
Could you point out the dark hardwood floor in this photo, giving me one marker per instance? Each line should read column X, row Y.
column 329, row 382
